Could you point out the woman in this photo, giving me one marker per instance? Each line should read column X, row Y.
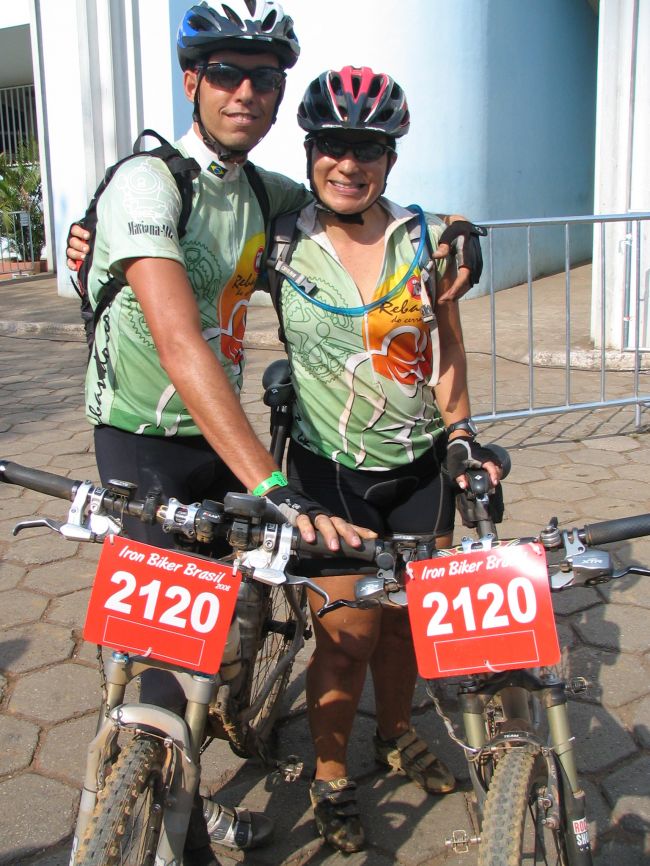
column 368, row 434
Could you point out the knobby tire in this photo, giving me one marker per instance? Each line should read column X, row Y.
column 125, row 827
column 512, row 832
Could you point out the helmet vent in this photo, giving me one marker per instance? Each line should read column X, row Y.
column 198, row 23
column 250, row 5
column 269, row 22
column 396, row 92
column 356, row 86
column 232, row 16
column 375, row 87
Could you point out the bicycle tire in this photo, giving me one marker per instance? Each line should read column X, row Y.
column 125, row 827
column 278, row 627
column 512, row 832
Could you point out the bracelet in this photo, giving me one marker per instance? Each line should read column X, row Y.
column 275, row 479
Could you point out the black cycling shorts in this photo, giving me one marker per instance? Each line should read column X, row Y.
column 185, row 467
column 414, row 499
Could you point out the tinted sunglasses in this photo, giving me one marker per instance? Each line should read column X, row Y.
column 363, row 151
column 226, row 76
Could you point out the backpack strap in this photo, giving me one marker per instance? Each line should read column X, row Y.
column 184, row 170
column 283, row 240
column 427, row 269
column 257, row 185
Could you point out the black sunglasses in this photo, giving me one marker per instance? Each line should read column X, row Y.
column 227, row 76
column 363, row 151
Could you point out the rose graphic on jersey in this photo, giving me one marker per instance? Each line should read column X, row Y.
column 233, row 301
column 397, row 339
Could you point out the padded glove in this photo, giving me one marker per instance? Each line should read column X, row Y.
column 463, row 240
column 292, row 503
column 464, row 453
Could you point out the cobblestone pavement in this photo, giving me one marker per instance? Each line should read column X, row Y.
column 581, row 468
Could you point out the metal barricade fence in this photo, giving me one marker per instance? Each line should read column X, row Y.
column 592, row 316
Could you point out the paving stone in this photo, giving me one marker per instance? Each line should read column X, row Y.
column 56, row 856
column 628, row 792
column 3, row 686
column 521, row 474
column 18, row 740
column 621, row 854
column 70, row 609
column 600, row 738
column 33, row 646
column 63, row 752
column 60, row 578
column 57, row 693
column 37, row 548
column 535, row 513
column 614, row 679
column 631, row 589
column 597, row 457
column 18, row 606
column 585, row 473
column 614, row 626
column 556, row 488
column 641, row 722
column 20, row 833
column 618, row 444
column 574, row 599
column 10, row 574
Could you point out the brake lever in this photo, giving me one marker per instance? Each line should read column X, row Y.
column 330, row 606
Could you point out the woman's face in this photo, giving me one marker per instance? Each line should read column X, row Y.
column 345, row 181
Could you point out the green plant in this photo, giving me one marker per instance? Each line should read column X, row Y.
column 20, row 192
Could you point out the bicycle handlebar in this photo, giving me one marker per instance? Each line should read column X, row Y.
column 37, row 479
column 244, row 508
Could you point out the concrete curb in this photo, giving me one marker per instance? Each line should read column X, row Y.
column 583, row 359
column 75, row 334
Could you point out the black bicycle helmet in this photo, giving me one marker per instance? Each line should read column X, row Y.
column 354, row 98
column 242, row 25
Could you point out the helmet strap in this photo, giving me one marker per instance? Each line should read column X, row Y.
column 224, row 154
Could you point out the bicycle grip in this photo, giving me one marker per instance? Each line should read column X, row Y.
column 365, row 553
column 617, row 530
column 37, row 479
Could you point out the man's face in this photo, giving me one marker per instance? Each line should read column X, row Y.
column 237, row 117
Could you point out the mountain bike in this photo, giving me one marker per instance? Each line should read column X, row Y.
column 481, row 615
column 227, row 631
column 142, row 767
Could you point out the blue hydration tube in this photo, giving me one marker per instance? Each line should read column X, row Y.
column 367, row 308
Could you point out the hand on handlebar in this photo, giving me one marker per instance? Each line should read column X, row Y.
column 308, row 516
column 77, row 247
column 465, row 453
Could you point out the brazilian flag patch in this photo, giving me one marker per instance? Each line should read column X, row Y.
column 217, row 169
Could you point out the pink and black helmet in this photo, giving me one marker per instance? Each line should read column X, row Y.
column 354, row 98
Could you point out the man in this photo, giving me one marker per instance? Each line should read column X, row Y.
column 162, row 385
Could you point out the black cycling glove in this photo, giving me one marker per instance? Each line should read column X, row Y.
column 464, row 454
column 463, row 240
column 292, row 503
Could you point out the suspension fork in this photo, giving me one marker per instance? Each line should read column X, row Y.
column 573, row 797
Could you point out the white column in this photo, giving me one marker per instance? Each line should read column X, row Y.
column 622, row 172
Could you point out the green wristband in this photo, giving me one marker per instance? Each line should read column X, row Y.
column 275, row 479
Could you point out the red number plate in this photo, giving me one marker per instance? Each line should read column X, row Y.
column 161, row 603
column 488, row 610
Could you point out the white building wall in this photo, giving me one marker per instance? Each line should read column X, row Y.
column 622, row 174
column 109, row 69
